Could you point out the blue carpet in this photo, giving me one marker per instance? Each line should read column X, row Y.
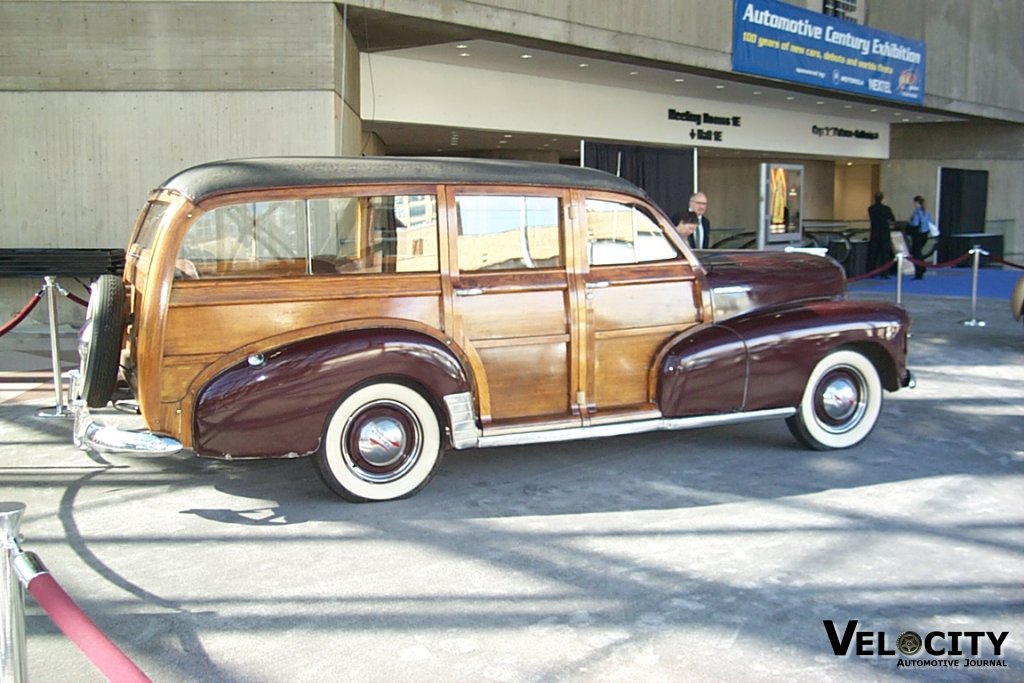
column 993, row 283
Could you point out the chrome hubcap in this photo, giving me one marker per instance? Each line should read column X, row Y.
column 841, row 400
column 381, row 441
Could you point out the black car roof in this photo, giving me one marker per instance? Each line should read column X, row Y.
column 237, row 175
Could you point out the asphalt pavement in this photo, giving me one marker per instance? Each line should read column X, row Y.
column 723, row 554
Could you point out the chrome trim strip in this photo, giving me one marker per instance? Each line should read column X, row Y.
column 730, row 300
column 640, row 427
column 733, row 289
column 464, row 432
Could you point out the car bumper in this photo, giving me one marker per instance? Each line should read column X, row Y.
column 90, row 434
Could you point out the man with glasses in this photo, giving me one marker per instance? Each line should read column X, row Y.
column 701, row 237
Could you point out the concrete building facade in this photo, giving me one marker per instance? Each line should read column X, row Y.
column 102, row 100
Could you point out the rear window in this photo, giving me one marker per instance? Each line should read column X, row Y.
column 150, row 223
column 331, row 236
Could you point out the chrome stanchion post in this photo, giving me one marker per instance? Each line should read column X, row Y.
column 58, row 385
column 13, row 667
column 977, row 252
column 899, row 278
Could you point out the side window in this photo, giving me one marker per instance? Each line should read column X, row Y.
column 509, row 232
column 623, row 233
column 374, row 234
column 381, row 234
column 256, row 239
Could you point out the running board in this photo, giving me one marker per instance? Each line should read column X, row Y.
column 620, row 429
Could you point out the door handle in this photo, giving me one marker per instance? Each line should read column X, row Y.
column 472, row 291
column 599, row 284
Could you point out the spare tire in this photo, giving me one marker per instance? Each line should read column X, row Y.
column 99, row 341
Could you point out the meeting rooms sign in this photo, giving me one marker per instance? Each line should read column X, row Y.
column 789, row 43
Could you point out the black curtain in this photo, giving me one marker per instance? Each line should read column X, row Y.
column 666, row 174
column 963, row 202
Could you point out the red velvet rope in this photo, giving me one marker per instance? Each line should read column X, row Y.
column 945, row 264
column 1006, row 263
column 22, row 314
column 871, row 273
column 69, row 617
column 77, row 299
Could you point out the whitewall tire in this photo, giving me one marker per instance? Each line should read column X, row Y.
column 840, row 404
column 382, row 442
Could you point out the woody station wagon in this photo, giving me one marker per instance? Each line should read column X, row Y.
column 372, row 312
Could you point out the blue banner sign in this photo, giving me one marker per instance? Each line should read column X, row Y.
column 779, row 40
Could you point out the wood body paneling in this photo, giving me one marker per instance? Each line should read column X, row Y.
column 562, row 345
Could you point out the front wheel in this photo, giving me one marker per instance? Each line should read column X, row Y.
column 381, row 443
column 840, row 404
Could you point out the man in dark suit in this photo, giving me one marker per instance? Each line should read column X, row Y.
column 693, row 224
column 880, row 244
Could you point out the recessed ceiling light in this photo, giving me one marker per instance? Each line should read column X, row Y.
column 820, row 102
column 461, row 46
column 526, row 56
column 583, row 65
column 790, row 98
column 507, row 135
column 463, row 54
column 719, row 87
column 874, row 109
column 847, row 106
column 680, row 80
column 756, row 92
column 502, row 142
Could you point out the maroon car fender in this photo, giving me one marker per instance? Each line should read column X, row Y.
column 277, row 403
column 777, row 349
column 705, row 372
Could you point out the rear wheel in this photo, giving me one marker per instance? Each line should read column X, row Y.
column 99, row 341
column 381, row 443
column 841, row 402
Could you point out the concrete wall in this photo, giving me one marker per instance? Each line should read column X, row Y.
column 975, row 62
column 101, row 101
column 670, row 31
column 854, row 192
